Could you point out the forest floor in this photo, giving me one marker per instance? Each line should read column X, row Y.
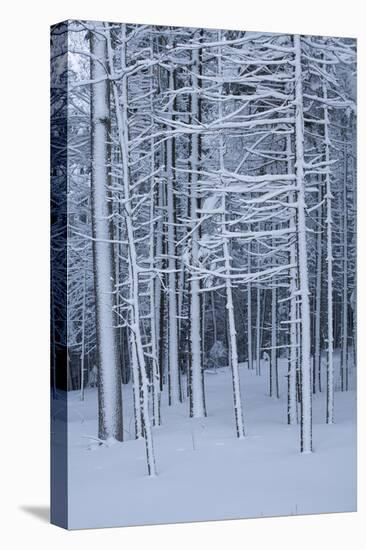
column 205, row 472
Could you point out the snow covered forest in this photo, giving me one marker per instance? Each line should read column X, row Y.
column 203, row 270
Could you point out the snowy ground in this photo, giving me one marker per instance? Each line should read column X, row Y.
column 205, row 473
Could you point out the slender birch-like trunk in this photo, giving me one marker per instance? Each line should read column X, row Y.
column 154, row 351
column 258, row 332
column 135, row 375
column 274, row 364
column 329, row 261
column 173, row 368
column 213, row 311
column 234, row 362
column 292, row 374
column 109, row 373
column 318, row 296
column 82, row 357
column 233, row 351
column 156, row 417
column 249, row 313
column 123, row 136
column 306, row 405
column 197, row 409
column 160, row 290
column 344, row 354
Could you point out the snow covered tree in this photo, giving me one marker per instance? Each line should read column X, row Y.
column 109, row 374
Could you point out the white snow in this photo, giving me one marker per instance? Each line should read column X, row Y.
column 204, row 471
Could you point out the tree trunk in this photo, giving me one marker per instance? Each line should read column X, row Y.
column 318, row 296
column 233, row 351
column 123, row 138
column 173, row 369
column 274, row 364
column 197, row 409
column 109, row 374
column 329, row 260
column 294, row 344
column 249, row 312
column 306, row 405
column 82, row 356
column 258, row 332
column 344, row 357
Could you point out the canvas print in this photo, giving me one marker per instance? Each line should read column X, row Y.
column 203, row 274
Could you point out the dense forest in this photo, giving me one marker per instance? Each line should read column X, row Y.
column 203, row 221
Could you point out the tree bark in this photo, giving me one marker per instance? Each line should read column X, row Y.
column 306, row 405
column 109, row 374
